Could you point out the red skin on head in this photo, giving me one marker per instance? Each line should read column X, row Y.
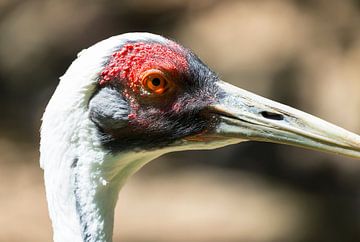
column 133, row 59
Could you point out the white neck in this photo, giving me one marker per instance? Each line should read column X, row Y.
column 82, row 200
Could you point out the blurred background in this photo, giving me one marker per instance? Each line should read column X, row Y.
column 300, row 52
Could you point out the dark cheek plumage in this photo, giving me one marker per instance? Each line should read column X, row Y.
column 149, row 127
column 178, row 120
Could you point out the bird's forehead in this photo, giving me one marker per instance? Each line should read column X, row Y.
column 133, row 58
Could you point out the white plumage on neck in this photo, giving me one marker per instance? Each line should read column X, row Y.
column 82, row 179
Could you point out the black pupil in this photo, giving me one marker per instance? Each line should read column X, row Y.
column 156, row 81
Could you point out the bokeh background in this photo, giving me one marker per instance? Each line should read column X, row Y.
column 301, row 52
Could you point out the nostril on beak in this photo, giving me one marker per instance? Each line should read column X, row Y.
column 273, row 116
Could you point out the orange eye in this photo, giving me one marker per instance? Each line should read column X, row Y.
column 154, row 81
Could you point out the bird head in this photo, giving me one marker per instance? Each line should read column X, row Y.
column 153, row 93
column 133, row 97
column 160, row 96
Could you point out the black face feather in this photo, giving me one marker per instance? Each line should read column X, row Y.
column 159, row 121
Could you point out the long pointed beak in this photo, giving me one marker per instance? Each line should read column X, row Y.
column 246, row 116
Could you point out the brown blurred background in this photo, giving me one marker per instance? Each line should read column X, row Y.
column 300, row 52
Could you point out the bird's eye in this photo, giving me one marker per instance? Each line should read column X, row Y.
column 155, row 81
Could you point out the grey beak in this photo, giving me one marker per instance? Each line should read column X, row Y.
column 246, row 116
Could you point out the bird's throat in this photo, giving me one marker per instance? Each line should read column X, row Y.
column 96, row 192
column 82, row 203
column 95, row 200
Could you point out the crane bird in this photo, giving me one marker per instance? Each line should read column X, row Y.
column 133, row 97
